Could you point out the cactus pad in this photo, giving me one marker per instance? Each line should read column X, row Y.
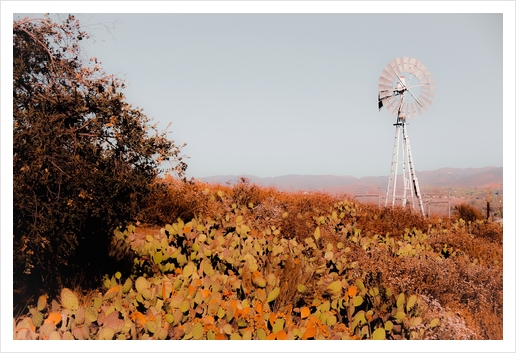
column 69, row 299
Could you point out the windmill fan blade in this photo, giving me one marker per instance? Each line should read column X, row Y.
column 406, row 64
column 419, row 110
column 414, row 110
column 412, row 66
column 428, row 94
column 387, row 75
column 418, row 102
column 420, row 76
column 406, row 114
column 427, row 81
column 401, row 78
column 426, row 100
column 385, row 86
column 399, row 64
column 392, row 104
column 385, row 81
column 382, row 95
column 387, row 101
column 427, row 86
column 394, row 67
column 423, row 74
column 392, row 71
column 415, row 67
column 385, row 90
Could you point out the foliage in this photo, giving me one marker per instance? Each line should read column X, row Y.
column 468, row 213
column 83, row 158
column 291, row 266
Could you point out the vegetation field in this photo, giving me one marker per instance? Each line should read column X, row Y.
column 224, row 263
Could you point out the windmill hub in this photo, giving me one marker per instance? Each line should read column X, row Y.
column 406, row 88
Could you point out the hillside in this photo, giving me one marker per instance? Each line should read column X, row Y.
column 443, row 177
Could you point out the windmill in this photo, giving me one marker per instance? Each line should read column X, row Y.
column 405, row 88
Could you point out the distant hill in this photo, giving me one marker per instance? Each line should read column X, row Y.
column 443, row 177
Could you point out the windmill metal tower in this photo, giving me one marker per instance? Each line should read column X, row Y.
column 405, row 87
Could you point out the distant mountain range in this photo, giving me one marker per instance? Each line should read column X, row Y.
column 444, row 177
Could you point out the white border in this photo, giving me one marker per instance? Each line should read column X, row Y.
column 8, row 8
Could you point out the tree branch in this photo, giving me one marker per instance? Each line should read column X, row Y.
column 20, row 28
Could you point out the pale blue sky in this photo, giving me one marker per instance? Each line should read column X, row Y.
column 276, row 94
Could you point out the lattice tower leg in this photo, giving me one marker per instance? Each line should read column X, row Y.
column 413, row 173
column 405, row 175
column 391, row 187
column 408, row 190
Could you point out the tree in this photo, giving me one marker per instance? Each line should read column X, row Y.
column 83, row 158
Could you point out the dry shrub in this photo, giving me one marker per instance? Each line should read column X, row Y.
column 393, row 220
column 467, row 212
column 172, row 198
column 466, row 294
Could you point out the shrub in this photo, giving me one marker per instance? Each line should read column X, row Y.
column 468, row 213
column 83, row 158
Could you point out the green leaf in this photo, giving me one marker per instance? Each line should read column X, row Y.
column 69, row 299
column 141, row 284
column 273, row 294
column 400, row 315
column 105, row 333
column 197, row 331
column 400, row 301
column 158, row 257
column 301, row 288
column 260, row 334
column 260, row 282
column 317, row 233
column 146, row 293
column 324, row 307
column 358, row 300
column 188, row 269
column 151, row 326
column 210, row 335
column 169, row 318
column 235, row 336
column 389, row 325
column 185, row 306
column 434, row 322
column 335, row 287
column 278, row 325
column 331, row 320
column 379, row 334
column 42, row 302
